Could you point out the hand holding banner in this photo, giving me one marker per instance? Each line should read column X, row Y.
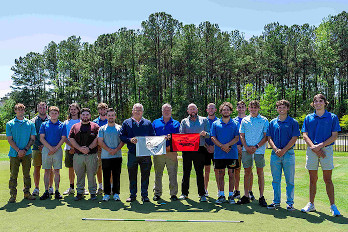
column 185, row 142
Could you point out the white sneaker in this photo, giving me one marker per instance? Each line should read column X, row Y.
column 206, row 193
column 51, row 190
column 116, row 197
column 334, row 211
column 36, row 192
column 106, row 197
column 69, row 191
column 308, row 208
column 86, row 192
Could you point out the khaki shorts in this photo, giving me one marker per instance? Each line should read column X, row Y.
column 37, row 158
column 247, row 160
column 313, row 161
column 54, row 160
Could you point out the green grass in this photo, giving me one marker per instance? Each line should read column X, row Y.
column 66, row 215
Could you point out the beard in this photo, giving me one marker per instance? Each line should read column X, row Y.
column 85, row 120
column 103, row 114
column 225, row 116
column 193, row 115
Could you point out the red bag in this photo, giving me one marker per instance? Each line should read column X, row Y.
column 185, row 142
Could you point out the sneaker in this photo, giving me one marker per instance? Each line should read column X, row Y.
column 174, row 198
column 206, row 193
column 12, row 199
column 334, row 211
column 262, row 201
column 273, row 206
column 251, row 195
column 50, row 190
column 93, row 197
column 100, row 191
column 156, row 198
column 130, row 199
column 116, row 197
column 243, row 200
column 236, row 194
column 290, row 207
column 36, row 192
column 28, row 196
column 202, row 199
column 145, row 199
column 220, row 200
column 57, row 195
column 308, row 208
column 86, row 192
column 231, row 200
column 69, row 191
column 183, row 197
column 78, row 197
column 45, row 195
column 106, row 197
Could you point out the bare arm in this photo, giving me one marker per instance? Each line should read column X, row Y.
column 13, row 144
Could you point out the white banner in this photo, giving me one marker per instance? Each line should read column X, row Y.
column 150, row 145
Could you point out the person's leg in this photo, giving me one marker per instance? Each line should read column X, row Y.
column 91, row 168
column 56, row 179
column 260, row 164
column 221, row 179
column 276, row 170
column 107, row 166
column 206, row 176
column 289, row 173
column 37, row 162
column 26, row 164
column 99, row 172
column 132, row 175
column 80, row 170
column 47, row 177
column 145, row 168
column 187, row 166
column 172, row 168
column 313, row 178
column 198, row 162
column 116, row 174
column 14, row 169
column 159, row 163
column 327, row 176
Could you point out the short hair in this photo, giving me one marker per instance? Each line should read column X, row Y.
column 254, row 103
column 54, row 108
column 241, row 103
column 192, row 104
column 283, row 102
column 320, row 96
column 77, row 106
column 138, row 105
column 211, row 104
column 228, row 104
column 166, row 105
column 85, row 110
column 19, row 106
column 41, row 103
column 110, row 110
column 102, row 106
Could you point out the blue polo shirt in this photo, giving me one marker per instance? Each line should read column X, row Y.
column 53, row 132
column 208, row 140
column 162, row 128
column 100, row 122
column 238, row 121
column 131, row 129
column 253, row 128
column 319, row 129
column 224, row 133
column 282, row 132
column 20, row 132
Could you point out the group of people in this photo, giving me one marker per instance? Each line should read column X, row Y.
column 94, row 148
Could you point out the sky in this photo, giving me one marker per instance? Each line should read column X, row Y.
column 28, row 26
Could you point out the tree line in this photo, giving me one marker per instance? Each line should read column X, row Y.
column 168, row 61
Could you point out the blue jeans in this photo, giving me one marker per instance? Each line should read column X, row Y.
column 287, row 164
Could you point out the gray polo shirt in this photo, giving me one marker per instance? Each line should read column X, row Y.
column 111, row 137
column 188, row 126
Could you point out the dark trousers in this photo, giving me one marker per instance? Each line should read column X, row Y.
column 111, row 166
column 197, row 158
column 145, row 164
column 15, row 162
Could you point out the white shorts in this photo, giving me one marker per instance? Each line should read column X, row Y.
column 54, row 160
column 313, row 161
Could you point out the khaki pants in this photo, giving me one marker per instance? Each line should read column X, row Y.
column 15, row 162
column 171, row 161
column 86, row 164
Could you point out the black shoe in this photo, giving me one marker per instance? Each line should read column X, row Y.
column 45, row 196
column 156, row 198
column 236, row 194
column 174, row 198
column 130, row 199
column 93, row 197
column 262, row 201
column 145, row 199
column 78, row 197
column 57, row 195
column 251, row 195
column 243, row 200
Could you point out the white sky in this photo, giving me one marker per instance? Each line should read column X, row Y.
column 30, row 25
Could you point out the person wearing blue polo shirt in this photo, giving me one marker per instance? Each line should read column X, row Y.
column 52, row 136
column 282, row 134
column 101, row 121
column 166, row 125
column 253, row 131
column 320, row 130
column 224, row 133
column 20, row 134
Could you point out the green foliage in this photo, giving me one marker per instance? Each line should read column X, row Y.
column 300, row 120
column 6, row 113
column 344, row 123
column 268, row 102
